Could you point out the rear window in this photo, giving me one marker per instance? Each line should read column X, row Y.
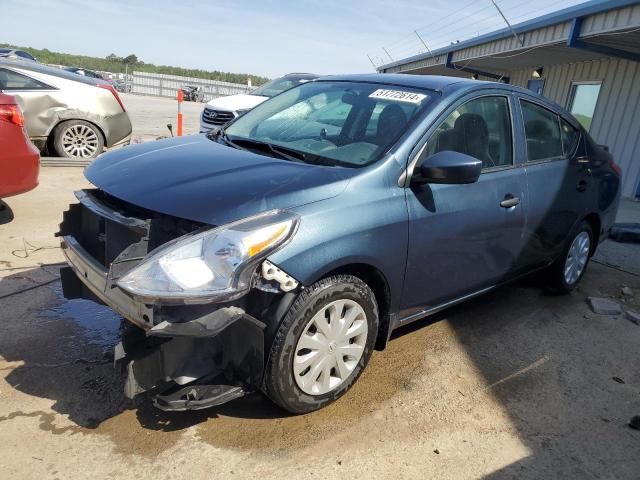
column 10, row 80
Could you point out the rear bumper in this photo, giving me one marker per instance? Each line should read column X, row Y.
column 116, row 128
column 19, row 171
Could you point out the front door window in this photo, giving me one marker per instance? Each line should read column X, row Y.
column 480, row 128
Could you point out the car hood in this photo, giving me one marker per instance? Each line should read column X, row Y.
column 198, row 179
column 241, row 101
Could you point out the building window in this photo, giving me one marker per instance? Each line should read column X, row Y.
column 582, row 102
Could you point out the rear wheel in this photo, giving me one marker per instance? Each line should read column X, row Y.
column 567, row 271
column 77, row 138
column 323, row 344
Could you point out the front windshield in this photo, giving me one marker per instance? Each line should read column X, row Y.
column 274, row 87
column 349, row 123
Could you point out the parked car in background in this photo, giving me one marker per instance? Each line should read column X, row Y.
column 65, row 113
column 19, row 158
column 85, row 72
column 192, row 93
column 279, row 252
column 16, row 54
column 121, row 86
column 222, row 110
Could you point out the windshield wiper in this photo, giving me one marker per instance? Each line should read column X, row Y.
column 280, row 151
column 275, row 151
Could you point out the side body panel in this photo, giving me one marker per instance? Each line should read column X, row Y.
column 366, row 224
column 460, row 239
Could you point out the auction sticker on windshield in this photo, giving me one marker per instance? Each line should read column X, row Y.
column 398, row 95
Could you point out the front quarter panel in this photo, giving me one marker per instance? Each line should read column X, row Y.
column 366, row 224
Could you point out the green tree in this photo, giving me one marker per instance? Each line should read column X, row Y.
column 116, row 64
column 130, row 59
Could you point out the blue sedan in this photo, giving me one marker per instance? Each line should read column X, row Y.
column 278, row 252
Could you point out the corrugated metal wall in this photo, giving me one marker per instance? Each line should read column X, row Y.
column 162, row 85
column 616, row 121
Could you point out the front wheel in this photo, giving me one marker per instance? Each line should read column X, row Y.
column 567, row 271
column 323, row 344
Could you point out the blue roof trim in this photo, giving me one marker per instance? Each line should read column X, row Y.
column 587, row 8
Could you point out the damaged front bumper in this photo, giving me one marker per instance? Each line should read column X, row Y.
column 187, row 356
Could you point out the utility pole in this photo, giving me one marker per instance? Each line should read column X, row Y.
column 372, row 64
column 425, row 44
column 520, row 40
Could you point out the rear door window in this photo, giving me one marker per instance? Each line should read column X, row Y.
column 10, row 80
column 542, row 131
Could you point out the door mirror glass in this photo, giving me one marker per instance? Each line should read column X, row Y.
column 449, row 167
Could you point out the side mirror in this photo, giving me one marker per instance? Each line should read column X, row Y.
column 448, row 167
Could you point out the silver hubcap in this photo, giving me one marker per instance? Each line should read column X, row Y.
column 576, row 258
column 330, row 347
column 80, row 141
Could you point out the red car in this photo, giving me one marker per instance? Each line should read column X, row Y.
column 19, row 158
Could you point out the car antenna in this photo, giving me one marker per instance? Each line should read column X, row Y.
column 170, row 127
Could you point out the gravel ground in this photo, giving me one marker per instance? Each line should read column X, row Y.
column 515, row 384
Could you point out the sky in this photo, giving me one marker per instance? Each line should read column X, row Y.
column 267, row 37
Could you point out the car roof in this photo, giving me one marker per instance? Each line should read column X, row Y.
column 46, row 70
column 430, row 82
column 309, row 76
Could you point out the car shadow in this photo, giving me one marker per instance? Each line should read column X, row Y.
column 548, row 366
column 6, row 214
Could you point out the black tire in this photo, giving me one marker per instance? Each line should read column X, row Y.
column 554, row 275
column 61, row 146
column 279, row 382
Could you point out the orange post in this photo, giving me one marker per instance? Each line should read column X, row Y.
column 180, row 98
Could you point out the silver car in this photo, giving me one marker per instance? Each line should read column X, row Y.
column 65, row 113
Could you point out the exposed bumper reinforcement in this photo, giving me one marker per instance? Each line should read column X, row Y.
column 188, row 361
column 95, row 278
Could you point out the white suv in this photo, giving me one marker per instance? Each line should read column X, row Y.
column 219, row 111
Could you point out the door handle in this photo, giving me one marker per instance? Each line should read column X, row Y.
column 509, row 201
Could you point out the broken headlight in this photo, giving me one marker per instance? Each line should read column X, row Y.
column 211, row 265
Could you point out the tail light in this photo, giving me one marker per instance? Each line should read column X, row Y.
column 616, row 168
column 12, row 114
column 113, row 91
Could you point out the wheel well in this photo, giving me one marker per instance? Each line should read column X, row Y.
column 376, row 280
column 593, row 219
column 50, row 136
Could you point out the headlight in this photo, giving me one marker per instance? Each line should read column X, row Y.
column 213, row 265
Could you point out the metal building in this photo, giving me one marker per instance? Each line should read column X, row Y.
column 586, row 58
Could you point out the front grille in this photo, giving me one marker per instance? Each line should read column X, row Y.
column 217, row 117
column 106, row 226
